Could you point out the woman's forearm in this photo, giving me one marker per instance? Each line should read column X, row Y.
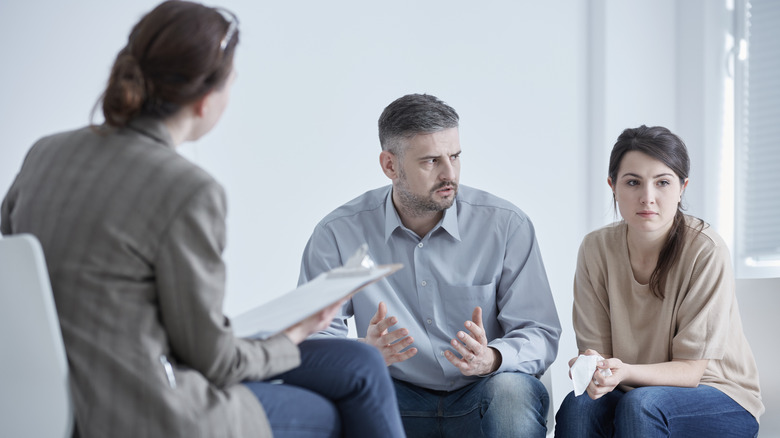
column 684, row 373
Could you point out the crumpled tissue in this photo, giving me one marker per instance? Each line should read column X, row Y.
column 582, row 372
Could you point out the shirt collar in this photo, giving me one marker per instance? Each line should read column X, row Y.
column 449, row 221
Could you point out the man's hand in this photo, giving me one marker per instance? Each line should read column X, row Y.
column 389, row 344
column 476, row 358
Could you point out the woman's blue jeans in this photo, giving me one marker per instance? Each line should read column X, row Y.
column 341, row 388
column 655, row 411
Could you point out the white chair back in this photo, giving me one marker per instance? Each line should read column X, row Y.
column 34, row 393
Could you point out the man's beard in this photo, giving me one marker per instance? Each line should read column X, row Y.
column 419, row 205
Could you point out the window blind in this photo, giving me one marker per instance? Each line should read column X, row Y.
column 758, row 221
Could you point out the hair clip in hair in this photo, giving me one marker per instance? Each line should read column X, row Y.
column 232, row 27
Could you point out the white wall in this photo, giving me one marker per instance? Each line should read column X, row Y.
column 299, row 137
column 543, row 90
column 760, row 299
column 631, row 82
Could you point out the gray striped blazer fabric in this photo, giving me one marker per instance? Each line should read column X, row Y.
column 133, row 235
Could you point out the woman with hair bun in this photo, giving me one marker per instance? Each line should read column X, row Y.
column 654, row 301
column 133, row 235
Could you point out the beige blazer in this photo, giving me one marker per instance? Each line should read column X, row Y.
column 133, row 235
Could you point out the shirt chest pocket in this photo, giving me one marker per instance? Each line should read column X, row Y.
column 468, row 293
column 460, row 301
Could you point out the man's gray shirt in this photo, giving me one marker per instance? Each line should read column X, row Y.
column 483, row 253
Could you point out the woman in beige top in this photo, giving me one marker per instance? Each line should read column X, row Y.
column 654, row 296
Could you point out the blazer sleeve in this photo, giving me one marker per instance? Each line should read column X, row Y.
column 7, row 206
column 190, row 275
column 5, row 212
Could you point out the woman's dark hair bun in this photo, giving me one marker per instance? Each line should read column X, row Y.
column 126, row 91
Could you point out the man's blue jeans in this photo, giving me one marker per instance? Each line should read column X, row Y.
column 341, row 388
column 503, row 405
column 655, row 411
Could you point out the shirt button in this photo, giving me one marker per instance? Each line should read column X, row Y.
column 424, row 283
column 429, row 321
column 420, row 245
column 442, row 352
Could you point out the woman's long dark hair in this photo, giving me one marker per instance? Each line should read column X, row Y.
column 664, row 146
column 175, row 54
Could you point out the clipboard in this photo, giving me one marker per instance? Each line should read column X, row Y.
column 306, row 300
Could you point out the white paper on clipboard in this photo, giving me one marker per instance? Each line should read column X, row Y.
column 295, row 306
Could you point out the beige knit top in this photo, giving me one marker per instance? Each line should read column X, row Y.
column 698, row 318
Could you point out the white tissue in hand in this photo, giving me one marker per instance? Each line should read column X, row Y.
column 582, row 372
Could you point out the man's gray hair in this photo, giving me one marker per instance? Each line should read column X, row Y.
column 413, row 114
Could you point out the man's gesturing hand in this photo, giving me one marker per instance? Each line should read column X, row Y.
column 389, row 344
column 476, row 357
